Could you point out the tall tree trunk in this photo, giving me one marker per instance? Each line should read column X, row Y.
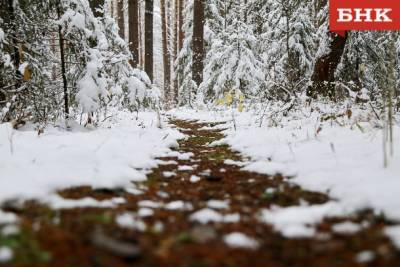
column 166, row 55
column 63, row 69
column 134, row 31
column 97, row 7
column 176, row 39
column 198, row 41
column 323, row 77
column 16, row 57
column 148, row 38
column 181, row 33
column 141, row 35
column 121, row 19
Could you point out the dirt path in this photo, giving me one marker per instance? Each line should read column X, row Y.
column 160, row 225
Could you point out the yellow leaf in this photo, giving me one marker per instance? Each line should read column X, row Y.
column 27, row 74
column 228, row 98
column 240, row 107
column 220, row 102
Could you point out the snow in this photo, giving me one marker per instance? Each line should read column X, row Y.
column 149, row 204
column 365, row 256
column 208, row 215
column 145, row 212
column 195, row 179
column 10, row 229
column 114, row 155
column 180, row 156
column 1, row 35
column 133, row 191
column 169, row 174
column 218, row 204
column 57, row 202
column 240, row 240
column 232, row 218
column 270, row 191
column 185, row 168
column 178, row 205
column 393, row 232
column 269, row 168
column 130, row 221
column 297, row 222
column 169, row 162
column 233, row 162
column 6, row 254
column 347, row 228
column 7, row 217
column 22, row 67
column 205, row 216
column 344, row 158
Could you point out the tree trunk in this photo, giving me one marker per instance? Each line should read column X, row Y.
column 134, row 31
column 148, row 38
column 176, row 33
column 166, row 55
column 198, row 41
column 323, row 77
column 97, row 7
column 181, row 33
column 141, row 35
column 63, row 69
column 121, row 19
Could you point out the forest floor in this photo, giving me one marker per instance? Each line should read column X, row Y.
column 196, row 209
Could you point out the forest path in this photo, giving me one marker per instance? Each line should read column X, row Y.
column 198, row 208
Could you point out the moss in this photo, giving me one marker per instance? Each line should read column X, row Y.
column 184, row 237
column 26, row 247
column 105, row 218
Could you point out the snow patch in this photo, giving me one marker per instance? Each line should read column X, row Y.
column 149, row 204
column 130, row 221
column 218, row 204
column 6, row 254
column 194, row 179
column 347, row 228
column 393, row 232
column 240, row 240
column 178, row 205
column 8, row 218
column 57, row 202
column 207, row 215
column 297, row 222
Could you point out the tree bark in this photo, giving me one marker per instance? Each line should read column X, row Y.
column 121, row 19
column 323, row 77
column 198, row 41
column 63, row 68
column 148, row 38
column 176, row 40
column 181, row 33
column 97, row 7
column 134, row 31
column 141, row 35
column 166, row 55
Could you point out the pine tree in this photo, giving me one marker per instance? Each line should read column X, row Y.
column 232, row 63
column 183, row 65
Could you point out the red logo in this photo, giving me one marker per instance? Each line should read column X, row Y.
column 374, row 15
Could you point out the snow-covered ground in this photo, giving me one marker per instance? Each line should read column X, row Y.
column 341, row 156
column 326, row 150
column 120, row 151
